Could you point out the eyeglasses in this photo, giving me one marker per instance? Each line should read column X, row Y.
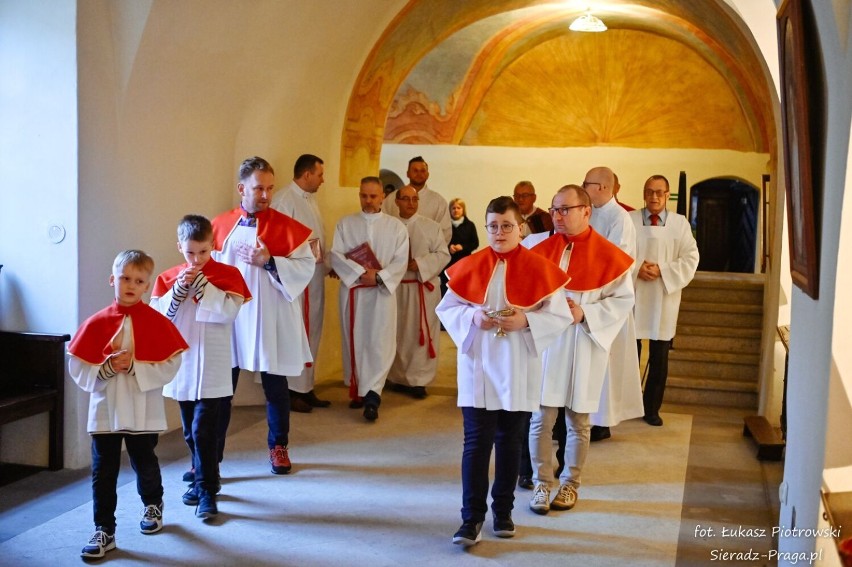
column 659, row 194
column 587, row 184
column 409, row 199
column 563, row 211
column 523, row 195
column 504, row 228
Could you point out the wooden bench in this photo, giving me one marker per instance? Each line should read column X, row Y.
column 32, row 381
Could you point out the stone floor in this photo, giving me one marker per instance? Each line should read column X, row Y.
column 388, row 493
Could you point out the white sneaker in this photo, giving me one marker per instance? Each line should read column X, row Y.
column 99, row 544
column 540, row 503
column 565, row 498
column 152, row 519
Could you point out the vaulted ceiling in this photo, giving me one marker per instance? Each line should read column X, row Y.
column 667, row 74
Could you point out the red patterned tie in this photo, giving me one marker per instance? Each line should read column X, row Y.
column 655, row 220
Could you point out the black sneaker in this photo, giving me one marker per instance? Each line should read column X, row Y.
column 419, row 392
column 468, row 534
column 189, row 476
column 504, row 527
column 190, row 497
column 206, row 505
column 99, row 544
column 525, row 481
column 152, row 519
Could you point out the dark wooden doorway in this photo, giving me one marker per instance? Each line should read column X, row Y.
column 723, row 215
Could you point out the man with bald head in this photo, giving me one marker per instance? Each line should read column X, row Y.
column 369, row 255
column 418, row 328
column 622, row 389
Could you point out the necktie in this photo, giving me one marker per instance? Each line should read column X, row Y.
column 655, row 220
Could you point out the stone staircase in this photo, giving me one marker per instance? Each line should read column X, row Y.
column 716, row 354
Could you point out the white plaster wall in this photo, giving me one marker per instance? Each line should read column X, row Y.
column 38, row 182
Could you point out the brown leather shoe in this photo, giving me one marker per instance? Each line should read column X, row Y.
column 299, row 405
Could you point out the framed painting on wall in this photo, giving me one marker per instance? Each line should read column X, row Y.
column 801, row 104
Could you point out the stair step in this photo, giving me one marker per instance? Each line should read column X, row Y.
column 744, row 296
column 716, row 331
column 732, row 320
column 738, row 280
column 721, row 308
column 706, row 392
column 718, row 344
column 714, row 357
column 725, row 371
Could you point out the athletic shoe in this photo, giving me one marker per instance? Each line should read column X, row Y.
column 280, row 460
column 189, row 476
column 190, row 497
column 206, row 505
column 468, row 534
column 99, row 544
column 152, row 519
column 504, row 527
column 565, row 498
column 540, row 503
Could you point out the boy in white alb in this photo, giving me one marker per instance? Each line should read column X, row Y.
column 202, row 297
column 503, row 308
column 123, row 355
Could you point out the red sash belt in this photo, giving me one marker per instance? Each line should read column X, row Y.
column 423, row 321
column 353, row 375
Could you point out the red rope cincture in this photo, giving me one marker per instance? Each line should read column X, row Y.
column 353, row 376
column 423, row 321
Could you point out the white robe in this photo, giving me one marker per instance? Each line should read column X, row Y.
column 673, row 248
column 574, row 366
column 207, row 327
column 125, row 403
column 621, row 398
column 413, row 365
column 303, row 207
column 374, row 327
column 269, row 333
column 501, row 373
column 432, row 206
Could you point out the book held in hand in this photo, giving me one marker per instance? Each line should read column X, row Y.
column 364, row 256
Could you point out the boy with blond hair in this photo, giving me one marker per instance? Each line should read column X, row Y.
column 123, row 355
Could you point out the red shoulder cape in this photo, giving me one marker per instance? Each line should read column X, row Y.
column 281, row 234
column 225, row 277
column 155, row 338
column 595, row 261
column 529, row 277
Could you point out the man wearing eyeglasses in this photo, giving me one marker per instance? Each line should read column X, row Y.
column 432, row 204
column 622, row 390
column 370, row 255
column 535, row 219
column 417, row 325
column 599, row 293
column 668, row 258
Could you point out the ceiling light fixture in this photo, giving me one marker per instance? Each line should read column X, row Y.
column 587, row 23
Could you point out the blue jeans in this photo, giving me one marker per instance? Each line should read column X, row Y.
column 484, row 429
column 200, row 419
column 277, row 410
column 106, row 462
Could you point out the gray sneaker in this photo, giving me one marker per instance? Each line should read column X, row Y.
column 565, row 498
column 540, row 503
column 152, row 519
column 99, row 544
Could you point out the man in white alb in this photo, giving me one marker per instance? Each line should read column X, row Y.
column 369, row 255
column 432, row 204
column 418, row 327
column 299, row 201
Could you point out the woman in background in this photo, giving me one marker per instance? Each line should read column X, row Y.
column 465, row 239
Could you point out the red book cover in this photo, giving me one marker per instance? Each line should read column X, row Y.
column 364, row 256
